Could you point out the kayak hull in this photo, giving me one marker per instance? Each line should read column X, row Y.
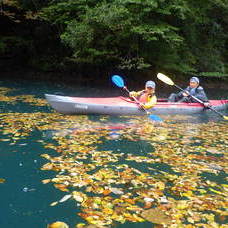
column 124, row 106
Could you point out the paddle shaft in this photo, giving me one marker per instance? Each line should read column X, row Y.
column 201, row 102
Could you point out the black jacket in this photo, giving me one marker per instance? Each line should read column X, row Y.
column 197, row 92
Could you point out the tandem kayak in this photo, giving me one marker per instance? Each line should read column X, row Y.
column 124, row 106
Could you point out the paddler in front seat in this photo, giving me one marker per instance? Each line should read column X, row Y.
column 146, row 97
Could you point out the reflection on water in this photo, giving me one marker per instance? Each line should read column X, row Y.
column 108, row 171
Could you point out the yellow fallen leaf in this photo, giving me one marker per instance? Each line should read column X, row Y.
column 182, row 204
column 187, row 194
column 138, row 219
column 80, row 225
column 160, row 185
column 58, row 225
column 54, row 203
column 215, row 191
column 2, row 180
column 156, row 215
column 190, row 220
column 107, row 211
column 5, row 140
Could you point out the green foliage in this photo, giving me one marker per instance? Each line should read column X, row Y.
column 44, row 63
column 12, row 3
column 214, row 75
column 61, row 12
column 75, row 31
column 2, row 46
column 114, row 32
column 205, row 32
column 139, row 34
column 12, row 44
column 133, row 63
column 185, row 36
column 155, row 32
column 98, row 33
column 33, row 5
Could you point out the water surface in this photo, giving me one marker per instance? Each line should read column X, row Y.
column 111, row 170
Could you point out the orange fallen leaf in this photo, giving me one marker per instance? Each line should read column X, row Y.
column 106, row 192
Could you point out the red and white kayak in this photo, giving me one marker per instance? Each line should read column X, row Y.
column 124, row 106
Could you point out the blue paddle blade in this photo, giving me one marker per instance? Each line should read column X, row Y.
column 118, row 81
column 155, row 118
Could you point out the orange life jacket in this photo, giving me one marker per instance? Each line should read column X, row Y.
column 143, row 97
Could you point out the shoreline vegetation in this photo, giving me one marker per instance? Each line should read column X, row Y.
column 103, row 79
column 80, row 41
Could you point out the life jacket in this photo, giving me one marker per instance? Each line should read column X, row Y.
column 144, row 97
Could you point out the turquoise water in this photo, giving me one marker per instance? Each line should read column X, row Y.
column 25, row 200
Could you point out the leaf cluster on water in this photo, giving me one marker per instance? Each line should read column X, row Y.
column 172, row 175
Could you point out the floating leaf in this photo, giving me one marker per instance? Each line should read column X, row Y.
column 5, row 140
column 2, row 180
column 58, row 225
column 54, row 203
column 155, row 215
column 65, row 198
column 106, row 192
column 61, row 187
column 46, row 181
column 182, row 204
column 117, row 191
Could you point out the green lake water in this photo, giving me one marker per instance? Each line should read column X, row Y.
column 111, row 169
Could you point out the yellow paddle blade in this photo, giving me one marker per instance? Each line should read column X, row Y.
column 165, row 79
column 225, row 117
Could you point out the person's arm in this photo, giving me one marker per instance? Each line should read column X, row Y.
column 151, row 103
column 135, row 94
column 201, row 94
column 184, row 93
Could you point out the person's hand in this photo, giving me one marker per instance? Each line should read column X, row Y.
column 186, row 93
column 207, row 104
column 132, row 94
column 141, row 105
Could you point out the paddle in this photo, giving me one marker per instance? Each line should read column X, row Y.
column 168, row 81
column 118, row 81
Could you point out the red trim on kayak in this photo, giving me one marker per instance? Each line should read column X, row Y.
column 126, row 101
column 113, row 101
